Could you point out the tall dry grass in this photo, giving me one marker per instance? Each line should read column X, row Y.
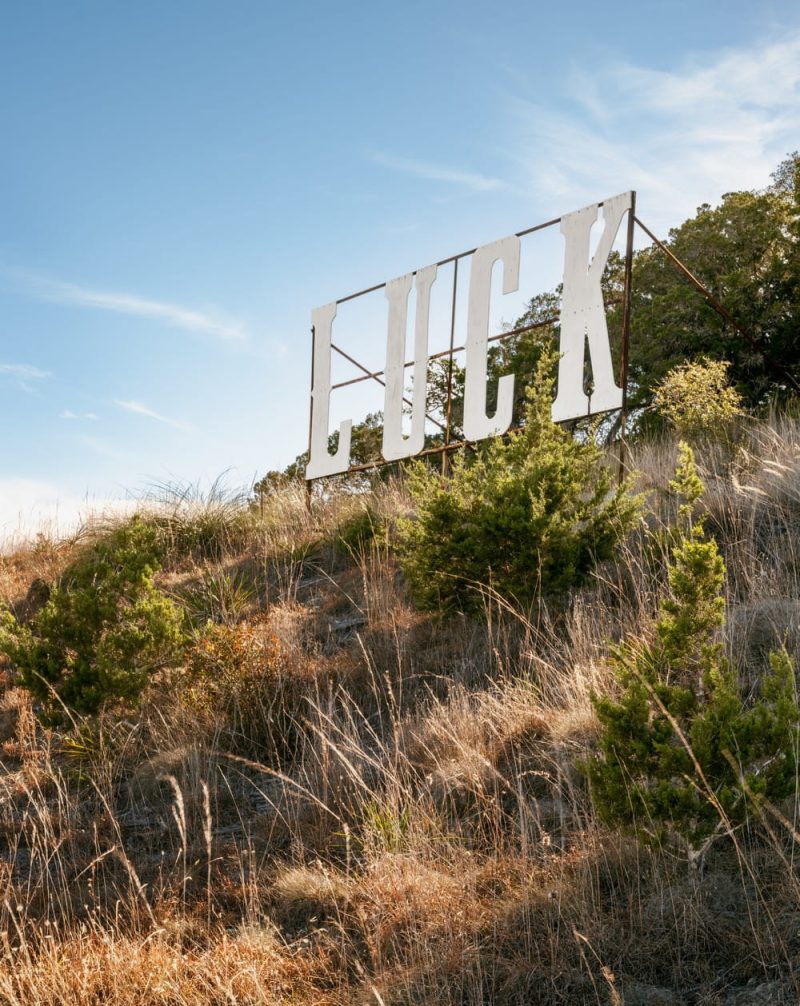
column 427, row 836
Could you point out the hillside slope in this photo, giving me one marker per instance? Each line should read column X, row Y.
column 336, row 798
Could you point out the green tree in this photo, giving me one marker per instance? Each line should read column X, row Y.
column 745, row 251
column 530, row 513
column 365, row 447
column 439, row 376
column 105, row 629
column 680, row 751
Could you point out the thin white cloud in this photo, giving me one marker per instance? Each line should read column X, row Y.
column 24, row 372
column 175, row 315
column 436, row 172
column 140, row 409
column 69, row 414
column 720, row 122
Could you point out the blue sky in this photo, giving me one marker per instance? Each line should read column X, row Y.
column 183, row 182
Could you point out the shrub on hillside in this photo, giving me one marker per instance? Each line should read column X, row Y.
column 680, row 750
column 696, row 399
column 530, row 514
column 240, row 678
column 104, row 630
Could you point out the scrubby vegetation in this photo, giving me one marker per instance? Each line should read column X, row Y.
column 697, row 399
column 333, row 796
column 103, row 630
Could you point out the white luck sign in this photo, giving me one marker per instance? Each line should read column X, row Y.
column 582, row 318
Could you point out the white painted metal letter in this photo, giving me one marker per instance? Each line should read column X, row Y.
column 477, row 424
column 583, row 315
column 321, row 462
column 395, row 444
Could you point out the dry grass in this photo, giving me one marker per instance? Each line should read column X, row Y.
column 427, row 838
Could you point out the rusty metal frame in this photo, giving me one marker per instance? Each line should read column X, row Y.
column 625, row 336
column 449, row 445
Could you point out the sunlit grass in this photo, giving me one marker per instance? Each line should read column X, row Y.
column 426, row 837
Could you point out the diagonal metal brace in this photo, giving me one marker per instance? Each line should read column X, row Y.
column 723, row 312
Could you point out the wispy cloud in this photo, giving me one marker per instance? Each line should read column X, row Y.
column 140, row 409
column 208, row 322
column 23, row 374
column 436, row 172
column 682, row 136
column 69, row 414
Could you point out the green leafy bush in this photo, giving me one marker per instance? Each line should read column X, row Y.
column 680, row 750
column 530, row 514
column 105, row 629
column 696, row 399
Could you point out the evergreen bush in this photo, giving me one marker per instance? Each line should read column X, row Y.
column 681, row 753
column 530, row 514
column 104, row 630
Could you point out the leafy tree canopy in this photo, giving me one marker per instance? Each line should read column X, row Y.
column 745, row 251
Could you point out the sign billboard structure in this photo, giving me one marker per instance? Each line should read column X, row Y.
column 588, row 237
